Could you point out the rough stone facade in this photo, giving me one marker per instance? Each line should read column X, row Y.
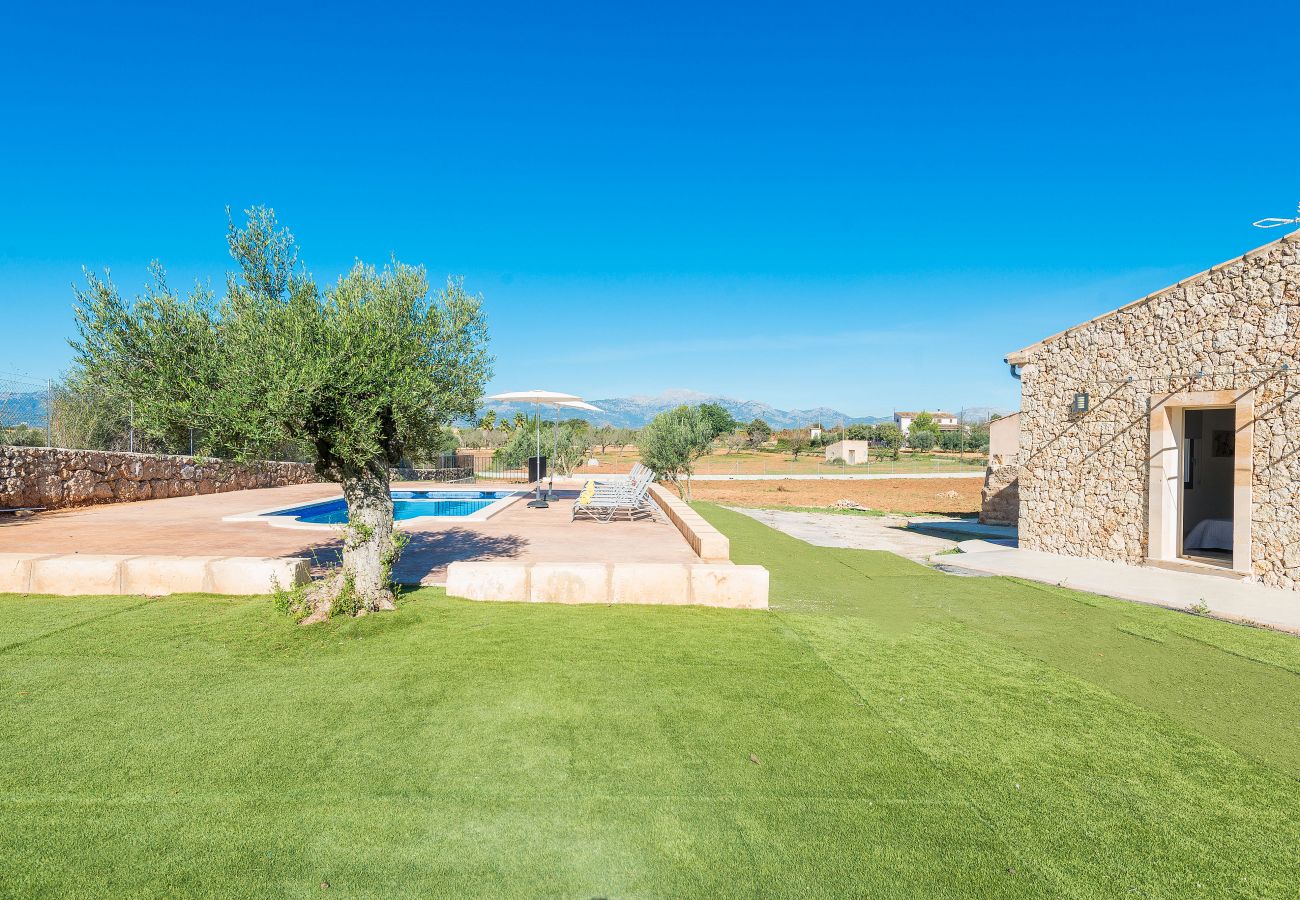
column 1084, row 483
column 1000, row 499
column 54, row 478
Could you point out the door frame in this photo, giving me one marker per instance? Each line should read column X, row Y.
column 1165, row 464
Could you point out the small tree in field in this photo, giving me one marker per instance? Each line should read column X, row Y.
column 923, row 423
column 671, row 443
column 758, row 432
column 889, row 436
column 923, row 440
column 361, row 374
column 718, row 418
column 796, row 442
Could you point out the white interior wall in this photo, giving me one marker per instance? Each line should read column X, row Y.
column 1210, row 496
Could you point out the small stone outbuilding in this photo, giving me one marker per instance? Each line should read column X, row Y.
column 1000, row 499
column 1167, row 432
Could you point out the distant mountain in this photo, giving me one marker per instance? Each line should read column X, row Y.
column 621, row 412
column 28, row 408
column 633, row 412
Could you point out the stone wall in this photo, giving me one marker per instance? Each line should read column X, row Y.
column 1084, row 487
column 54, row 478
column 1000, row 499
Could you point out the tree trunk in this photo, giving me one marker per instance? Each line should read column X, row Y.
column 368, row 550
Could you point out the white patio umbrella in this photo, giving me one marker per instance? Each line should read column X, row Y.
column 537, row 398
column 555, row 443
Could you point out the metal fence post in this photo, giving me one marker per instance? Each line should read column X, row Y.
column 49, row 412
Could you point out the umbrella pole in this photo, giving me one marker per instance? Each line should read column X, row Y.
column 555, row 449
column 539, row 503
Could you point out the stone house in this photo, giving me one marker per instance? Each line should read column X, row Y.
column 1167, row 432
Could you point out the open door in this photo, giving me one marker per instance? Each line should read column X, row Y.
column 1208, row 459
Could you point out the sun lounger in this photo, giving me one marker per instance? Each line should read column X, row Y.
column 605, row 501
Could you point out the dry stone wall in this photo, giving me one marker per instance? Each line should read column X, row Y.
column 1000, row 499
column 54, row 478
column 1084, row 478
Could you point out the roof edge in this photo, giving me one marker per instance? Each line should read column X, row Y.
column 1021, row 356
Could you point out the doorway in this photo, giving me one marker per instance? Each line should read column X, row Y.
column 1201, row 472
column 1208, row 461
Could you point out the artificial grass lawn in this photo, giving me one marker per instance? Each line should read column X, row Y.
column 916, row 734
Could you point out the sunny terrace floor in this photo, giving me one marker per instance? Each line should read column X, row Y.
column 193, row 526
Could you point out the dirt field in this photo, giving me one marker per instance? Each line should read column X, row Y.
column 908, row 495
column 749, row 463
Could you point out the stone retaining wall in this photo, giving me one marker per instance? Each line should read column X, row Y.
column 55, row 478
column 670, row 584
column 87, row 574
column 1000, row 499
column 708, row 543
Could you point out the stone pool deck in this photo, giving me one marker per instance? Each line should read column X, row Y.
column 193, row 527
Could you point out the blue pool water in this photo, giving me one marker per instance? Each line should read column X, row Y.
column 406, row 505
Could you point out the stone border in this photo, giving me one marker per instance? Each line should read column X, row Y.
column 84, row 574
column 708, row 543
column 668, row 584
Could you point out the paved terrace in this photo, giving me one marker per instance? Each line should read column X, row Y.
column 192, row 526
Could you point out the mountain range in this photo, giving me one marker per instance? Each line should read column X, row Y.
column 621, row 412
column 25, row 408
column 633, row 412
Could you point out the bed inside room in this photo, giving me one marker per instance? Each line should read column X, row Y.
column 1209, row 453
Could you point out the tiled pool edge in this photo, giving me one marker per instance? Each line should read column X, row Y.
column 86, row 574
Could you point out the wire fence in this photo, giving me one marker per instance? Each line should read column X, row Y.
column 24, row 411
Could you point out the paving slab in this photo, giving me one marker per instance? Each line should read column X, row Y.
column 193, row 526
column 891, row 533
column 1222, row 597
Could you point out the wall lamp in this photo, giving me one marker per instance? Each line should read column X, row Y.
column 1081, row 402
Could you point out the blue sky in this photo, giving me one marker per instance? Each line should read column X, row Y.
column 799, row 203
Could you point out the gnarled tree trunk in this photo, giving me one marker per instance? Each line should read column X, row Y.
column 363, row 584
column 368, row 551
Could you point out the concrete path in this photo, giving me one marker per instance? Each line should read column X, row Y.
column 915, row 538
column 1223, row 597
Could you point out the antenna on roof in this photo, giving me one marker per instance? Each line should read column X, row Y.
column 1275, row 223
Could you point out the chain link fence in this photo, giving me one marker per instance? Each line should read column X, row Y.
column 36, row 413
column 24, row 411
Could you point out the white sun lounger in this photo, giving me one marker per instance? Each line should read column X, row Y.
column 605, row 501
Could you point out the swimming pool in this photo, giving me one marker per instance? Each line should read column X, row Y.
column 407, row 505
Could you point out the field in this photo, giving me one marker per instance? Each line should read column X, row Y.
column 749, row 462
column 885, row 730
column 913, row 496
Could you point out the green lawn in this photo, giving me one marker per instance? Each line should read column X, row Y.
column 887, row 730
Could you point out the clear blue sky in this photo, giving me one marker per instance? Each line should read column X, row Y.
column 789, row 202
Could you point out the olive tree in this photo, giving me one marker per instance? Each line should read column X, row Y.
column 672, row 441
column 361, row 374
column 889, row 436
